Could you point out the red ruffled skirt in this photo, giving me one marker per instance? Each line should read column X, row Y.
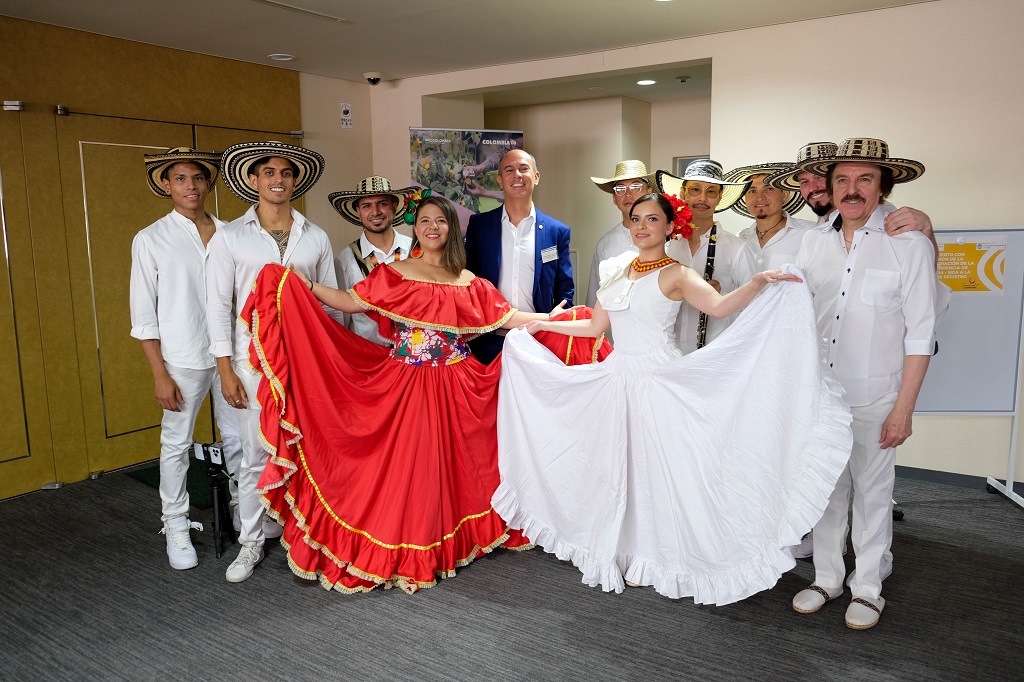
column 382, row 472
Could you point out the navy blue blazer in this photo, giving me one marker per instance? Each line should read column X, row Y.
column 552, row 281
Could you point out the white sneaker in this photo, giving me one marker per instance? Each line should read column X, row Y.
column 180, row 552
column 271, row 528
column 242, row 567
column 805, row 549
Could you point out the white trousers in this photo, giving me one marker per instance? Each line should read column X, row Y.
column 869, row 477
column 254, row 458
column 176, row 429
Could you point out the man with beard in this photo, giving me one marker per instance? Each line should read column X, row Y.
column 376, row 208
column 723, row 258
column 629, row 182
column 269, row 175
column 875, row 302
column 521, row 251
column 775, row 235
column 812, row 188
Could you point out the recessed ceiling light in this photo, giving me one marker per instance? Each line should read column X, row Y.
column 281, row 57
column 595, row 87
column 646, row 82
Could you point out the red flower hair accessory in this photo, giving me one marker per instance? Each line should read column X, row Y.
column 682, row 215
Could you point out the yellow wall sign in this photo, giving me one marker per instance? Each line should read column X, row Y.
column 972, row 266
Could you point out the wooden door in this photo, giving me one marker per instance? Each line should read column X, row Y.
column 26, row 449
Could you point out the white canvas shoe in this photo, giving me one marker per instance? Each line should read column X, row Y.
column 805, row 549
column 813, row 597
column 180, row 552
column 863, row 613
column 242, row 567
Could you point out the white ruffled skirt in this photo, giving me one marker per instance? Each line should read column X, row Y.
column 691, row 474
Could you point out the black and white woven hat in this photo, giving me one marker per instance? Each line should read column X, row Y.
column 346, row 203
column 702, row 170
column 786, row 179
column 745, row 173
column 867, row 150
column 156, row 164
column 237, row 161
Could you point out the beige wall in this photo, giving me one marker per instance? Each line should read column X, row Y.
column 939, row 80
column 679, row 129
column 348, row 151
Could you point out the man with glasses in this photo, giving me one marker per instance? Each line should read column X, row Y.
column 629, row 182
column 724, row 259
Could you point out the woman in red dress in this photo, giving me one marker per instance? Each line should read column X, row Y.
column 383, row 460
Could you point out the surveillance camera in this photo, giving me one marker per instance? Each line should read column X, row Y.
column 372, row 77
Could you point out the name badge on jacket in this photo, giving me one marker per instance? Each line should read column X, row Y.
column 549, row 254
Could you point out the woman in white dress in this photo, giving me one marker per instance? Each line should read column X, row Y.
column 691, row 474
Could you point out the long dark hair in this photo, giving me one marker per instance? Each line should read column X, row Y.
column 453, row 258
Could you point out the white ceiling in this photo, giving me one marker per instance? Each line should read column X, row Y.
column 403, row 38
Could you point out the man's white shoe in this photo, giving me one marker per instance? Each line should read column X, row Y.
column 242, row 567
column 863, row 613
column 812, row 598
column 805, row 549
column 180, row 552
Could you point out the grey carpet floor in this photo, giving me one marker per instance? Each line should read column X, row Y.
column 86, row 593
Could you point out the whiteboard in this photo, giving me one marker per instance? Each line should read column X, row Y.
column 980, row 336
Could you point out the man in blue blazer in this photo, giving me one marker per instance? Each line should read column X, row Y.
column 520, row 250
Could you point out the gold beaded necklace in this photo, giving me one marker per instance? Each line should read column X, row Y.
column 648, row 265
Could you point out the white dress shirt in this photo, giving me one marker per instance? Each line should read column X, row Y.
column 167, row 295
column 616, row 241
column 734, row 266
column 349, row 273
column 875, row 304
column 238, row 252
column 515, row 278
column 782, row 247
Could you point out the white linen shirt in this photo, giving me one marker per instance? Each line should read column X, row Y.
column 614, row 242
column 874, row 305
column 782, row 247
column 238, row 252
column 349, row 274
column 734, row 266
column 167, row 294
column 515, row 277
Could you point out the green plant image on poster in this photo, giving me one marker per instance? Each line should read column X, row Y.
column 462, row 165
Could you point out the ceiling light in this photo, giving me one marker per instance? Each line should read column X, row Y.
column 281, row 57
column 595, row 87
column 646, row 82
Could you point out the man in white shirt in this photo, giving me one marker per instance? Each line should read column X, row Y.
column 629, row 182
column 269, row 175
column 167, row 300
column 378, row 209
column 775, row 235
column 874, row 299
column 725, row 261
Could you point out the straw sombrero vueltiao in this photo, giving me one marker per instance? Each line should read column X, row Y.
column 786, row 179
column 746, row 174
column 702, row 170
column 157, row 164
column 867, row 150
column 625, row 170
column 237, row 160
column 345, row 202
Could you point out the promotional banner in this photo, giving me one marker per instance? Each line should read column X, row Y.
column 462, row 165
column 973, row 266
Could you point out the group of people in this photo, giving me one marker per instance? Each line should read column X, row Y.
column 462, row 415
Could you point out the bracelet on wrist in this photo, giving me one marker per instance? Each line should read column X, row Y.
column 311, row 285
